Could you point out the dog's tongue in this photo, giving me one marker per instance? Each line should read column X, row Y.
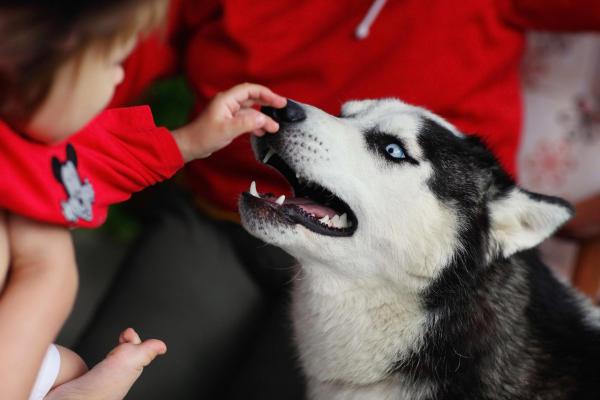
column 309, row 206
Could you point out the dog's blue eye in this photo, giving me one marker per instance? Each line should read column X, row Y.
column 395, row 150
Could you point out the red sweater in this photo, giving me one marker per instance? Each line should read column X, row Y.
column 459, row 59
column 73, row 183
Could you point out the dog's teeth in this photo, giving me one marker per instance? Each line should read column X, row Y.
column 269, row 155
column 344, row 221
column 325, row 220
column 253, row 191
column 335, row 221
column 280, row 200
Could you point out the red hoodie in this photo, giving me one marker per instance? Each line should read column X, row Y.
column 73, row 183
column 459, row 59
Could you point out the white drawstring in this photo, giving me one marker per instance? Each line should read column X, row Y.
column 362, row 30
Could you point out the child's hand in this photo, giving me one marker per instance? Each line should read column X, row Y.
column 227, row 116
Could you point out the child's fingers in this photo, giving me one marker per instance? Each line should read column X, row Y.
column 248, row 94
column 247, row 104
column 154, row 346
column 249, row 120
column 129, row 335
column 251, row 103
column 270, row 125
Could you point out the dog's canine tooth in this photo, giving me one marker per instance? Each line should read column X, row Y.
column 253, row 190
column 269, row 155
column 280, row 200
column 344, row 221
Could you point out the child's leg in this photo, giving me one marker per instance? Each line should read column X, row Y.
column 112, row 378
column 71, row 366
column 47, row 374
column 60, row 365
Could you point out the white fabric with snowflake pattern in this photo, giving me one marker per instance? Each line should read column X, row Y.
column 560, row 145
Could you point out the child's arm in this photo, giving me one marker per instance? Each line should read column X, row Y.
column 38, row 296
column 123, row 152
column 119, row 153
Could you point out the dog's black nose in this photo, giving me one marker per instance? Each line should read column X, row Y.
column 292, row 112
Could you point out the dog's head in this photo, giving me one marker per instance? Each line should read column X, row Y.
column 390, row 191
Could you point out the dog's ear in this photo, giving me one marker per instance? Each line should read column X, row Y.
column 71, row 155
column 521, row 220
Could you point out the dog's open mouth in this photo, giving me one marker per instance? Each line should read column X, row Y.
column 313, row 206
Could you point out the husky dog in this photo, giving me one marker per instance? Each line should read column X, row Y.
column 417, row 278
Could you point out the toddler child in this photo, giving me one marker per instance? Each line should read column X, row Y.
column 64, row 161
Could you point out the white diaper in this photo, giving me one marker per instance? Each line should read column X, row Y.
column 47, row 374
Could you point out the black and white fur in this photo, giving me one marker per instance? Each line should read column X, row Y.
column 437, row 294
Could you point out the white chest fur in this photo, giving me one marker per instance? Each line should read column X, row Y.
column 352, row 335
column 393, row 388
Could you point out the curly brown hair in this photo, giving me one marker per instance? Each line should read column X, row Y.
column 38, row 36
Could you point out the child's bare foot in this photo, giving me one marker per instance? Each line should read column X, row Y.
column 112, row 378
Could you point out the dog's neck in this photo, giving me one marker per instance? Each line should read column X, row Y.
column 352, row 329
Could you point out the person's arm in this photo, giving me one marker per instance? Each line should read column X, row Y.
column 72, row 183
column 37, row 298
column 551, row 15
column 119, row 153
